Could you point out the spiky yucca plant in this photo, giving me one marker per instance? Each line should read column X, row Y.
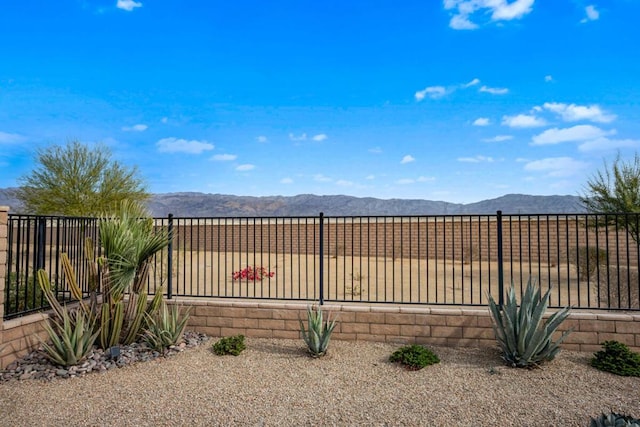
column 71, row 338
column 166, row 327
column 319, row 331
column 523, row 336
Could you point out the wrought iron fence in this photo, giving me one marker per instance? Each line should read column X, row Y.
column 587, row 261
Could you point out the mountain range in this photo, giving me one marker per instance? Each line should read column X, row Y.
column 191, row 204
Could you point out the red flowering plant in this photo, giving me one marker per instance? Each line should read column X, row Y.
column 252, row 273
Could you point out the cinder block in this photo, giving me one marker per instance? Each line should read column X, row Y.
column 370, row 317
column 257, row 313
column 343, row 316
column 628, row 327
column 399, row 340
column 431, row 320
column 229, row 332
column 582, row 338
column 446, row 331
column 209, row 330
column 197, row 321
column 289, row 335
column 226, row 322
column 570, row 347
column 415, row 330
column 485, row 321
column 342, row 336
column 431, row 340
column 236, row 312
column 293, row 325
column 243, row 323
column 592, row 325
column 289, row 314
column 483, row 343
column 466, row 321
column 13, row 334
column 354, row 328
column 400, row 318
column 483, row 333
column 628, row 339
column 589, row 348
column 462, row 342
column 207, row 311
column 270, row 324
column 384, row 329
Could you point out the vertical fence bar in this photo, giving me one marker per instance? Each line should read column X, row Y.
column 500, row 266
column 170, row 258
column 321, row 265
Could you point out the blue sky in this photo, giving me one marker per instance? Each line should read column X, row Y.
column 454, row 100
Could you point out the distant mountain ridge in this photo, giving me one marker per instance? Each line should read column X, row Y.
column 190, row 204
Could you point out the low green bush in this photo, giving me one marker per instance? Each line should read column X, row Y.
column 229, row 345
column 414, row 357
column 614, row 419
column 617, row 358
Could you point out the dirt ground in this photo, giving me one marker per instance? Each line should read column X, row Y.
column 375, row 279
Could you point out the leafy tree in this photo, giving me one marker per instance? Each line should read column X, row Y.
column 616, row 190
column 77, row 180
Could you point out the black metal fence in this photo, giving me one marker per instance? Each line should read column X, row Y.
column 584, row 260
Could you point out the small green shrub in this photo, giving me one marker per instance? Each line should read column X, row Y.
column 414, row 357
column 618, row 359
column 523, row 336
column 587, row 259
column 613, row 419
column 229, row 345
column 319, row 331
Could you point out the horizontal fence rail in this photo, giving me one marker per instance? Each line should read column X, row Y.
column 585, row 260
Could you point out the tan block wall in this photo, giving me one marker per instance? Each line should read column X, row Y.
column 465, row 327
column 20, row 336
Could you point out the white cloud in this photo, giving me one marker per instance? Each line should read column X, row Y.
column 500, row 10
column 556, row 166
column 135, row 128
column 262, row 139
column 164, row 120
column 523, row 121
column 481, row 121
column 575, row 133
column 375, row 150
column 286, row 181
column 476, row 159
column 344, row 183
column 405, row 181
column 592, row 14
column 128, row 5
column 10, row 138
column 246, row 167
column 433, row 92
column 407, row 159
column 302, row 137
column 425, row 179
column 321, row 178
column 494, row 90
column 370, row 177
column 320, row 137
column 408, row 181
column 573, row 112
column 224, row 157
column 604, row 144
column 499, row 138
column 472, row 83
column 175, row 145
column 548, row 78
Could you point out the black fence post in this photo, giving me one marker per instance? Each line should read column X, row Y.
column 321, row 267
column 41, row 241
column 170, row 258
column 500, row 259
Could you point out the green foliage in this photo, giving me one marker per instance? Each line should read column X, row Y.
column 614, row 419
column 617, row 190
column 71, row 338
column 318, row 333
column 524, row 338
column 618, row 359
column 129, row 240
column 229, row 345
column 78, row 180
column 165, row 328
column 414, row 357
column 587, row 259
column 22, row 294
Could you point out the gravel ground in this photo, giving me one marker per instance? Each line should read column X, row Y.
column 274, row 382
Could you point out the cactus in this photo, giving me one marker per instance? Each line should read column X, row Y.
column 319, row 332
column 524, row 338
column 165, row 328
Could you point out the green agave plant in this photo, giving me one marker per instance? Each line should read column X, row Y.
column 318, row 333
column 71, row 338
column 165, row 328
column 523, row 336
